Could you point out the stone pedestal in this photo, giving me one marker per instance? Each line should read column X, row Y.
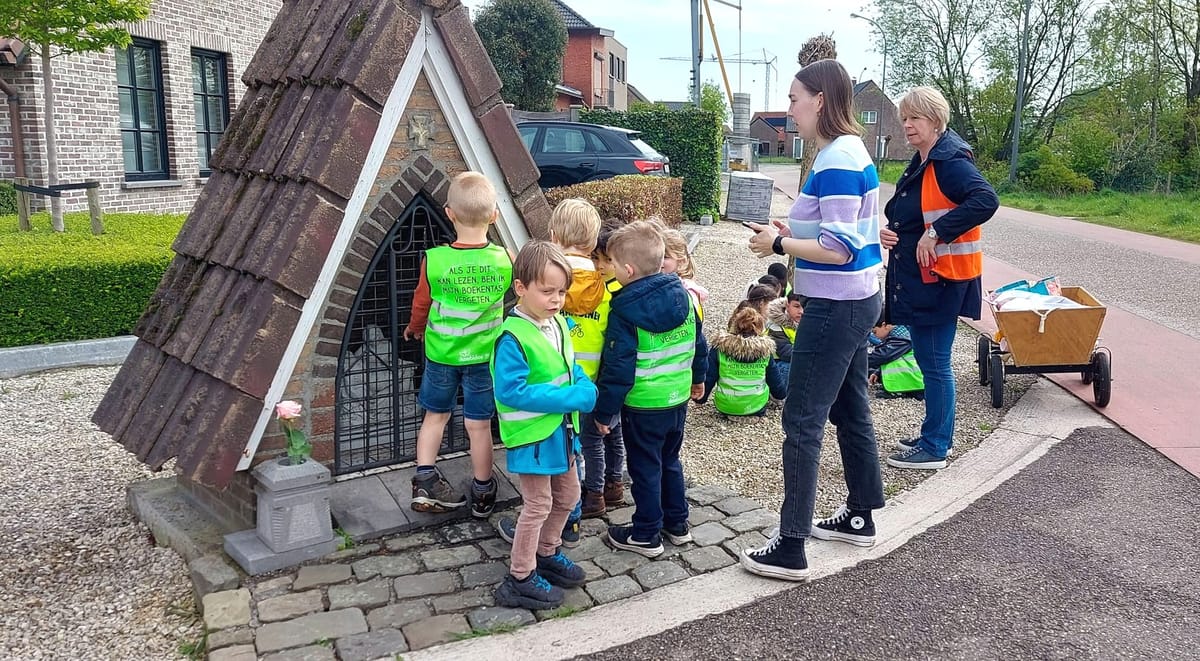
column 294, row 524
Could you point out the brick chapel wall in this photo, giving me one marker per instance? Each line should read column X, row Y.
column 87, row 112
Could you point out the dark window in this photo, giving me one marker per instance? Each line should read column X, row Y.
column 595, row 143
column 143, row 118
column 563, row 141
column 210, row 93
column 528, row 133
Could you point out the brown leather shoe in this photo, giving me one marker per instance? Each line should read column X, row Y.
column 614, row 493
column 593, row 504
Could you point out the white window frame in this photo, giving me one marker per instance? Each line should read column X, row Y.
column 869, row 117
column 797, row 148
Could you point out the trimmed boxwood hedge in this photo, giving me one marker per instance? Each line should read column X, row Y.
column 690, row 137
column 75, row 286
column 628, row 197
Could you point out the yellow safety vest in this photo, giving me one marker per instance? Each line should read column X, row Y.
column 547, row 364
column 467, row 286
column 663, row 374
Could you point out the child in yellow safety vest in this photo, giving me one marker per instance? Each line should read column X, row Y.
column 540, row 392
column 457, row 310
column 782, row 316
column 742, row 371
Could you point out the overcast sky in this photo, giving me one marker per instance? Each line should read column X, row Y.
column 654, row 29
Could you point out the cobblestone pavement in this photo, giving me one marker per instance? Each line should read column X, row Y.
column 417, row 590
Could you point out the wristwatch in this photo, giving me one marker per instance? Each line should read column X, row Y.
column 932, row 233
column 777, row 247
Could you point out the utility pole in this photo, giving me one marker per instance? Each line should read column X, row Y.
column 697, row 56
column 1022, row 64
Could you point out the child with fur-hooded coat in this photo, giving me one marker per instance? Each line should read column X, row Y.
column 742, row 370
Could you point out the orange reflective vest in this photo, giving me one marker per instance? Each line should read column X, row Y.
column 962, row 258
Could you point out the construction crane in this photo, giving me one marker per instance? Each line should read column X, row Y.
column 768, row 65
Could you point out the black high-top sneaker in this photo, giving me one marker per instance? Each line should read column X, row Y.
column 846, row 525
column 782, row 557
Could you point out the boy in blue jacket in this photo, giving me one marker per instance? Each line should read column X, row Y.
column 540, row 391
column 654, row 360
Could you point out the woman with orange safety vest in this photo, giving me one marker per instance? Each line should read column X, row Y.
column 935, row 261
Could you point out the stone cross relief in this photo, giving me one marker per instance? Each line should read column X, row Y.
column 420, row 130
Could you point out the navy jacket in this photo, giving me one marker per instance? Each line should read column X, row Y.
column 907, row 299
column 656, row 303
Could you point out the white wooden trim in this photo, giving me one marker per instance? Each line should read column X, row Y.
column 390, row 120
column 447, row 87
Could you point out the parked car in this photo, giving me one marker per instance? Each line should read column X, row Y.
column 570, row 153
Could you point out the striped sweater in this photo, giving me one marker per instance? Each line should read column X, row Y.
column 839, row 207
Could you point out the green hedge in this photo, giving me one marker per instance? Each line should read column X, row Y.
column 8, row 198
column 75, row 286
column 628, row 197
column 690, row 137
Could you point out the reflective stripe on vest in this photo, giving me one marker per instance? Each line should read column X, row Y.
column 741, row 387
column 663, row 372
column 961, row 259
column 902, row 374
column 547, row 365
column 467, row 286
column 588, row 335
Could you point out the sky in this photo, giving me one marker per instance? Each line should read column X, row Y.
column 654, row 29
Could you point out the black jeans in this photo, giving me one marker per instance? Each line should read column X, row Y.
column 828, row 381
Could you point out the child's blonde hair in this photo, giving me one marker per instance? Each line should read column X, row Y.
column 676, row 247
column 575, row 223
column 472, row 198
column 639, row 244
column 747, row 322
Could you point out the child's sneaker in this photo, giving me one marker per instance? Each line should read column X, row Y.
column 593, row 505
column 507, row 527
column 846, row 526
column 432, row 493
column 916, row 458
column 483, row 500
column 782, row 557
column 621, row 537
column 571, row 534
column 534, row 593
column 678, row 535
column 614, row 492
column 560, row 571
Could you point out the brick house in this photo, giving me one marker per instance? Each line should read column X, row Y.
column 145, row 120
column 774, row 129
column 594, row 63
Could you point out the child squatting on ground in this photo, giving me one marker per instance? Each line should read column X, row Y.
column 540, row 391
column 457, row 309
column 653, row 362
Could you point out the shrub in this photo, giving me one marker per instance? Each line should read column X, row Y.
column 75, row 286
column 1047, row 172
column 629, row 197
column 8, row 199
column 690, row 137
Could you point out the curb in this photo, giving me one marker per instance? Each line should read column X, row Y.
column 19, row 361
column 1044, row 416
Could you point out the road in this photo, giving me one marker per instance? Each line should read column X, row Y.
column 1087, row 553
column 1151, row 287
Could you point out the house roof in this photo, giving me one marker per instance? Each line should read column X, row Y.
column 568, row 90
column 12, row 51
column 858, row 87
column 677, row 105
column 777, row 119
column 636, row 95
column 572, row 18
column 213, row 340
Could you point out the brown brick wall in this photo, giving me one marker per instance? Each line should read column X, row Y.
column 871, row 98
column 87, row 119
column 232, row 508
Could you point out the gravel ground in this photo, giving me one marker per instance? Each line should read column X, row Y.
column 81, row 579
column 746, row 455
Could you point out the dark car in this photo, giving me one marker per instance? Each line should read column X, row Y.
column 570, row 153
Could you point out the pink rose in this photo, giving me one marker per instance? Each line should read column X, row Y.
column 288, row 410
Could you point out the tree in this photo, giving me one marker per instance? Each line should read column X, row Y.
column 53, row 28
column 526, row 40
column 712, row 99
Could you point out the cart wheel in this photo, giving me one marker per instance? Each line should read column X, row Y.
column 985, row 348
column 996, row 374
column 1086, row 375
column 1101, row 379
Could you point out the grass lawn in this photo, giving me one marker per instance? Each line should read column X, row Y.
column 1175, row 216
column 126, row 236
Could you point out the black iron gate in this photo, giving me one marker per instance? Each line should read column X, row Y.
column 379, row 373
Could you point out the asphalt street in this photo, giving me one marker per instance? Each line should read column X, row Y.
column 1092, row 552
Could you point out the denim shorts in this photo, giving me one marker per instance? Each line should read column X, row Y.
column 439, row 389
